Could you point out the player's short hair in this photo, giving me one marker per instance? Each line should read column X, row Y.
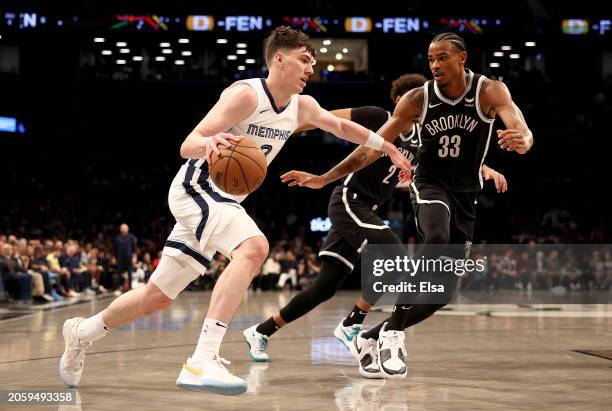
column 284, row 37
column 452, row 38
column 405, row 83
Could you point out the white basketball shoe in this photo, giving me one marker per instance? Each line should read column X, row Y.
column 257, row 344
column 367, row 353
column 73, row 359
column 392, row 354
column 346, row 335
column 210, row 375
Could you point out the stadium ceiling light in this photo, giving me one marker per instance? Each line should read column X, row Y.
column 330, row 67
column 183, row 41
column 499, row 54
column 241, row 51
column 186, row 53
column 241, row 68
column 160, row 58
column 124, row 51
column 250, row 61
column 323, row 50
column 164, row 45
column 494, row 65
column 179, row 62
column 137, row 58
column 345, row 50
column 515, row 56
column 120, row 62
column 99, row 40
column 221, row 41
column 338, row 56
column 530, row 44
column 167, row 51
column 232, row 57
column 506, row 48
column 121, row 44
column 106, row 52
column 241, row 45
column 326, row 42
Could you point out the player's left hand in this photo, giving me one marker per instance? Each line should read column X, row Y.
column 501, row 185
column 405, row 178
column 303, row 179
column 513, row 140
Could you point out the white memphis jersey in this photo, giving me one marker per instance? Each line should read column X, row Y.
column 268, row 126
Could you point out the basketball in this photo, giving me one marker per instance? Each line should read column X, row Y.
column 238, row 170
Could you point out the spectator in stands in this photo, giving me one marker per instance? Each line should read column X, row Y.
column 124, row 250
column 17, row 283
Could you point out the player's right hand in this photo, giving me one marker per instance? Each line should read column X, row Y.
column 211, row 143
column 303, row 179
column 403, row 164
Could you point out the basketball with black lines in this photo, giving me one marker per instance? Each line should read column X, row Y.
column 240, row 169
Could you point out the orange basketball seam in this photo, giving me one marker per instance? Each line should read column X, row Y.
column 257, row 164
column 243, row 175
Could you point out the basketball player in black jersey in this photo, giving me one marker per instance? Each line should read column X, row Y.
column 456, row 112
column 354, row 222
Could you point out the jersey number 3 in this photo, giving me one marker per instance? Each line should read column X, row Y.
column 450, row 146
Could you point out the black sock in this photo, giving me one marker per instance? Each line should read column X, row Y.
column 267, row 327
column 398, row 317
column 355, row 317
column 374, row 332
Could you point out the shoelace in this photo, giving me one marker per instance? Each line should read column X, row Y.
column 262, row 344
column 74, row 359
column 355, row 331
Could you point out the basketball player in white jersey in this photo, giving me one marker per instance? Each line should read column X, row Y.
column 208, row 220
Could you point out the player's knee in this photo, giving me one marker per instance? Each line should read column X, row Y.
column 155, row 299
column 254, row 249
column 437, row 236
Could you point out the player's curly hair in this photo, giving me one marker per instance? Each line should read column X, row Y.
column 284, row 37
column 452, row 38
column 404, row 84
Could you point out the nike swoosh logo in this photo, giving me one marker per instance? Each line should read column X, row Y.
column 263, row 111
column 434, row 105
column 469, row 100
column 194, row 371
column 221, row 325
column 348, row 337
column 358, row 348
column 380, row 344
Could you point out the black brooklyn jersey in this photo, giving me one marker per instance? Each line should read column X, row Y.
column 455, row 137
column 377, row 181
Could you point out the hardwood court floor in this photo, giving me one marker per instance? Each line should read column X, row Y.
column 513, row 359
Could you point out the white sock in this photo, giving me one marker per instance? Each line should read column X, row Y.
column 212, row 334
column 92, row 329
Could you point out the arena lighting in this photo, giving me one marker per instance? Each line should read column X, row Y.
column 326, row 42
column 241, row 51
column 221, row 41
column 345, row 50
column 241, row 68
column 121, row 44
column 120, row 62
column 99, row 40
column 330, row 67
column 241, row 45
column 494, row 65
column 137, row 58
column 124, row 51
column 186, row 53
column 506, row 48
column 530, row 44
column 106, row 52
column 323, row 50
column 167, row 51
column 179, row 62
column 164, row 45
column 183, row 41
column 499, row 54
column 250, row 61
column 515, row 56
column 232, row 57
column 338, row 56
column 160, row 58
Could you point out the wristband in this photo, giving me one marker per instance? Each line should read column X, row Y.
column 374, row 141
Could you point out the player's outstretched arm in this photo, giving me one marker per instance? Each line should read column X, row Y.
column 517, row 136
column 341, row 112
column 311, row 113
column 501, row 185
column 235, row 104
